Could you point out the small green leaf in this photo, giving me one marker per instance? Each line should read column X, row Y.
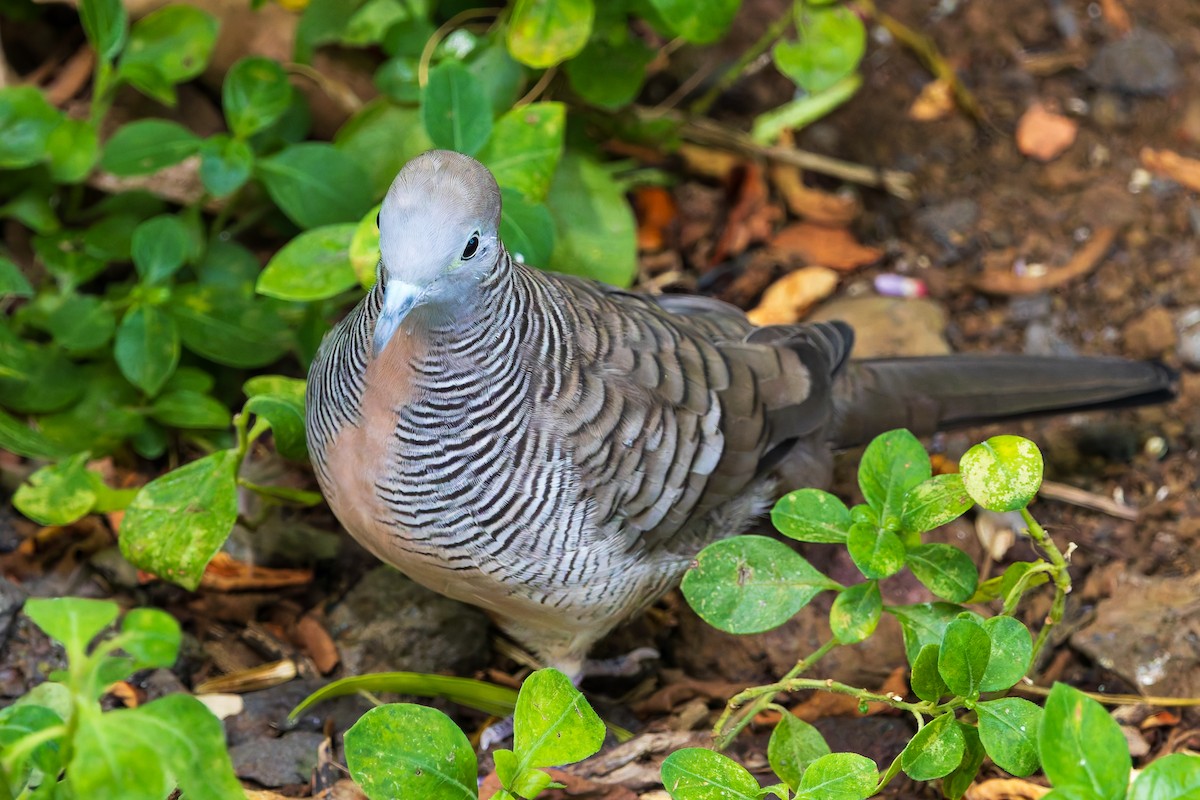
column 13, row 282
column 1008, row 729
column 695, row 773
column 191, row 742
column 151, row 636
column 489, row 698
column 927, row 682
column 1002, row 474
column 166, row 47
column 147, row 348
column 610, row 71
column 364, row 248
column 146, row 146
column 104, row 24
column 369, row 24
column 73, row 149
column 1011, row 656
column 178, row 521
column 159, row 248
column 527, row 230
column 922, row 624
column 455, row 109
column 839, row 776
column 255, row 94
column 280, row 401
column 229, row 327
column 893, row 463
column 316, row 184
column 65, row 255
column 947, row 571
column 532, row 782
column 71, row 621
column 935, row 750
column 24, row 719
column 553, row 724
column 543, row 33
column 595, row 234
column 877, row 553
column 382, row 137
column 697, row 21
column 81, row 323
column 963, row 657
column 855, row 612
column 833, row 40
column 1079, row 743
column 26, row 122
column 16, row 437
column 225, row 164
column 313, row 266
column 955, row 785
column 405, row 750
column 525, row 147
column 60, row 493
column 750, row 584
column 1173, row 777
column 811, row 515
column 934, row 502
column 794, row 745
column 184, row 408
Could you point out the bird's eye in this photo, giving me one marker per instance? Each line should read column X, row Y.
column 472, row 247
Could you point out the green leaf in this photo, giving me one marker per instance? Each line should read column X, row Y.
column 280, row 401
column 147, row 348
column 543, row 33
column 877, row 553
column 151, row 636
column 316, row 184
column 225, row 164
column 13, row 282
column 81, row 323
column 60, row 493
column 35, row 379
column 934, row 502
column 71, row 621
column 191, row 742
column 404, row 750
column 313, row 266
column 935, row 750
column 104, row 24
column 1011, row 655
column 947, row 571
column 1002, row 474
column 1173, row 777
column 160, row 246
column 228, row 327
column 66, row 256
column 146, row 146
column 527, row 230
column 695, row 773
column 397, row 79
column 833, row 40
column 794, row 745
column 105, row 417
column 26, row 122
column 455, row 109
column 382, row 137
column 502, row 77
column 927, row 682
column 166, row 47
column 893, row 463
column 610, row 71
column 178, row 521
column 255, row 94
column 73, row 148
column 750, row 584
column 185, row 408
column 525, row 147
column 839, row 776
column 489, row 698
column 955, row 785
column 812, row 515
column 553, row 724
column 594, row 226
column 1080, row 745
column 21, row 720
column 922, row 624
column 364, row 248
column 855, row 612
column 963, row 657
column 697, row 21
column 1008, row 729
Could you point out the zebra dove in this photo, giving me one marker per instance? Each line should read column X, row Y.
column 556, row 451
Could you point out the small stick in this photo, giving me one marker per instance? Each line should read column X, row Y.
column 1084, row 499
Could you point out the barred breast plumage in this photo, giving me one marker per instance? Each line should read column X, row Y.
column 556, row 451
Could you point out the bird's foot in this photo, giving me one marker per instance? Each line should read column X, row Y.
column 496, row 734
column 625, row 666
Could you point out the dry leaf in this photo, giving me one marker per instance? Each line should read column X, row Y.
column 788, row 299
column 656, row 210
column 828, row 704
column 709, row 163
column 1006, row 789
column 1169, row 164
column 1084, row 261
column 935, row 101
column 814, row 205
column 751, row 219
column 316, row 641
column 1043, row 134
column 263, row 676
column 226, row 574
column 835, row 248
column 1116, row 16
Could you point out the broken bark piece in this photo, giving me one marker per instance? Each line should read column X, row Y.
column 788, row 299
column 1083, row 262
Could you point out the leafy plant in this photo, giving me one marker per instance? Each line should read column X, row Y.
column 57, row 741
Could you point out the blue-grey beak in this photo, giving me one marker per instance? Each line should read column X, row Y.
column 399, row 298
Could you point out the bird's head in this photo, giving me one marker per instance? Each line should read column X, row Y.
column 438, row 236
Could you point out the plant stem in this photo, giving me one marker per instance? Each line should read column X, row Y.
column 26, row 744
column 1062, row 580
column 778, row 28
column 762, row 696
column 835, row 687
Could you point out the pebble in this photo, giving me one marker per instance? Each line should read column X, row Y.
column 890, row 326
column 950, row 223
column 1140, row 63
column 1150, row 334
column 282, row 761
column 1187, row 326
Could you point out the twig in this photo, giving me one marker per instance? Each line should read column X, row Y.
column 1117, row 699
column 778, row 28
column 442, row 32
column 1084, row 499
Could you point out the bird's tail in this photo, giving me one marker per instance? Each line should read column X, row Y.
column 937, row 393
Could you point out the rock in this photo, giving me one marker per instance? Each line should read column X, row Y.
column 264, row 713
column 949, row 224
column 1042, row 340
column 1140, row 63
column 1151, row 334
column 1043, row 134
column 388, row 623
column 1187, row 325
column 282, row 761
column 12, row 597
column 890, row 326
